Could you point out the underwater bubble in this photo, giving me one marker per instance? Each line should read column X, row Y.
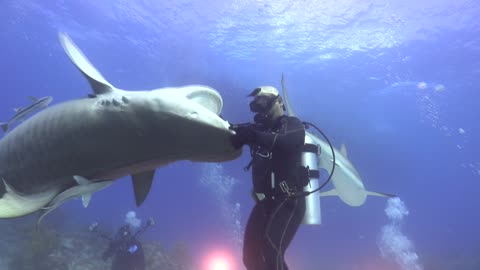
column 439, row 88
column 132, row 220
column 422, row 85
column 393, row 243
column 396, row 209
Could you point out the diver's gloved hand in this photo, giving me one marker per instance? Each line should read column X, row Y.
column 244, row 134
column 93, row 227
column 150, row 222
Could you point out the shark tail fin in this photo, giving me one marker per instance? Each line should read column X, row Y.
column 4, row 126
column 99, row 84
column 380, row 194
column 332, row 192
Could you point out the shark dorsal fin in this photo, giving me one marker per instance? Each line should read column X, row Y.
column 81, row 180
column 99, row 84
column 343, row 150
column 32, row 98
column 142, row 182
column 289, row 109
column 9, row 189
column 16, row 110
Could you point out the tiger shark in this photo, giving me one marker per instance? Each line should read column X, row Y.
column 347, row 183
column 75, row 148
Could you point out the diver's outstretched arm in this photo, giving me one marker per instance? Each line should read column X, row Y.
column 149, row 223
column 94, row 228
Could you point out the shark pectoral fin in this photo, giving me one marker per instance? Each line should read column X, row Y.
column 86, row 199
column 332, row 192
column 380, row 194
column 343, row 150
column 94, row 77
column 142, row 182
column 82, row 181
column 4, row 126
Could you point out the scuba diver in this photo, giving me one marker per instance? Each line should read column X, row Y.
column 125, row 247
column 276, row 143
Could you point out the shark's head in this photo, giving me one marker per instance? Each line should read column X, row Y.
column 197, row 103
column 187, row 115
column 195, row 109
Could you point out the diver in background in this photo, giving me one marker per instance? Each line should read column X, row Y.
column 125, row 247
column 276, row 142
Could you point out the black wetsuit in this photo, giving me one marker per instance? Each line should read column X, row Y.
column 128, row 253
column 273, row 222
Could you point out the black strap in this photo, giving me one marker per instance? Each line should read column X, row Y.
column 249, row 165
column 311, row 148
column 314, row 173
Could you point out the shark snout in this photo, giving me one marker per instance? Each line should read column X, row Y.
column 196, row 103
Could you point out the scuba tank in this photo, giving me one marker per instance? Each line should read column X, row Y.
column 310, row 160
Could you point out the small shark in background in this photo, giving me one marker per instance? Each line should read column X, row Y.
column 348, row 185
column 22, row 113
column 78, row 147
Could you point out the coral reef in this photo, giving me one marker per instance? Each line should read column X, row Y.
column 26, row 248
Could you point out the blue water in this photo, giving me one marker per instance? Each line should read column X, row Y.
column 367, row 72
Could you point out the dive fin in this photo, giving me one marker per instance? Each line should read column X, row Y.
column 332, row 192
column 94, row 77
column 4, row 126
column 142, row 182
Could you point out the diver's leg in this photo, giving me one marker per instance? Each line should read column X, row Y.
column 253, row 238
column 282, row 225
column 140, row 264
column 117, row 263
column 292, row 227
